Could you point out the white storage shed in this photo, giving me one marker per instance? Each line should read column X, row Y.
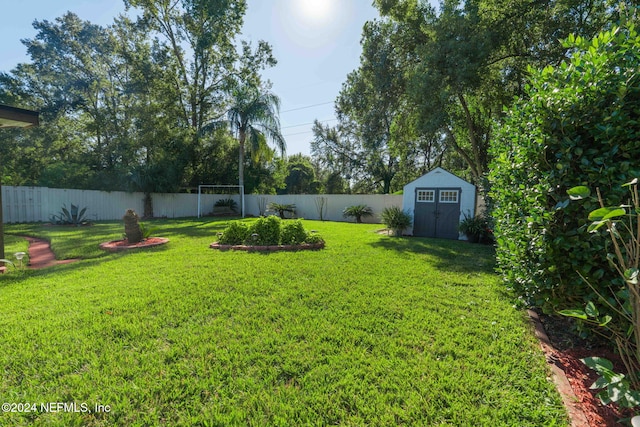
column 438, row 201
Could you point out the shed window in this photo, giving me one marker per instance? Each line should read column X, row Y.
column 447, row 196
column 426, row 196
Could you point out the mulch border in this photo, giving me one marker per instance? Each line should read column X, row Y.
column 113, row 247
column 569, row 399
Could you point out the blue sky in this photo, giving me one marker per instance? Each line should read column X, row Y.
column 316, row 43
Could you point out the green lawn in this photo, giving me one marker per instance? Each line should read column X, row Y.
column 372, row 330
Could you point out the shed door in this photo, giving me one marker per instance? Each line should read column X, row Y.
column 437, row 212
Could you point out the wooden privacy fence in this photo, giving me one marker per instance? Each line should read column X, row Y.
column 37, row 204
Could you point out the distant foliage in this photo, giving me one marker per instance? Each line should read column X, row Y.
column 577, row 125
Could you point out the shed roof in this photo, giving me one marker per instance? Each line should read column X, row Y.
column 441, row 173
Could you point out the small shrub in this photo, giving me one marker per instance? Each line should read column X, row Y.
column 265, row 231
column 293, row 233
column 358, row 212
column 235, row 234
column 147, row 231
column 396, row 219
column 314, row 239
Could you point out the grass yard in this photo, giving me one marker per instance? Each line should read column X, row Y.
column 372, row 330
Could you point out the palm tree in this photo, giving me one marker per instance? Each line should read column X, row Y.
column 253, row 117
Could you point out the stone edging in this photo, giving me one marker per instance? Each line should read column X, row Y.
column 303, row 247
column 576, row 415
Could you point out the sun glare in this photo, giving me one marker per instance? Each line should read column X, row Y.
column 315, row 12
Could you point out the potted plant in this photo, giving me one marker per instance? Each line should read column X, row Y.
column 396, row 219
column 474, row 228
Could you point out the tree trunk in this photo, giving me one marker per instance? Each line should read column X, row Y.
column 131, row 226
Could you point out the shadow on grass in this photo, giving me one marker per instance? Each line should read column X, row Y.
column 449, row 255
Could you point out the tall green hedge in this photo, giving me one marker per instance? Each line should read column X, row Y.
column 579, row 125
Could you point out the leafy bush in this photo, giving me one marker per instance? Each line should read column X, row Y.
column 265, row 231
column 396, row 219
column 293, row 233
column 576, row 126
column 357, row 212
column 235, row 234
column 230, row 203
column 269, row 231
column 314, row 238
column 74, row 216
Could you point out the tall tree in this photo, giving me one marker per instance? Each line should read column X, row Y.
column 376, row 130
column 199, row 36
column 253, row 118
column 471, row 58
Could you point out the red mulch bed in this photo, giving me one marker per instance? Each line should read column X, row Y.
column 122, row 245
column 567, row 352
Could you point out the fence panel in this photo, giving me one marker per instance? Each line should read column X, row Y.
column 37, row 204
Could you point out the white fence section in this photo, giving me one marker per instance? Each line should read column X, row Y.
column 37, row 204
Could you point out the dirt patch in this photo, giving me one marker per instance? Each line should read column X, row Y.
column 123, row 245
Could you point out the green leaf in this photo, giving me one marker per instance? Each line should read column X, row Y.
column 591, row 310
column 606, row 213
column 595, row 226
column 579, row 192
column 577, row 313
column 598, row 363
column 605, row 320
column 631, row 275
